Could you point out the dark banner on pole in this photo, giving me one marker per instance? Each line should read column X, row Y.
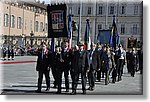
column 104, row 36
column 132, row 42
column 57, row 21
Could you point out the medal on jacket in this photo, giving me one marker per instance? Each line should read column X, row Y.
column 46, row 53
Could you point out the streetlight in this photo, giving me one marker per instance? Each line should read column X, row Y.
column 31, row 34
column 23, row 36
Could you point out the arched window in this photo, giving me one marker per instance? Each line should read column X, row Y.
column 6, row 20
column 41, row 27
column 12, row 21
column 19, row 23
column 36, row 26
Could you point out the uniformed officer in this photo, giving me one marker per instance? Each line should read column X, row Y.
column 43, row 67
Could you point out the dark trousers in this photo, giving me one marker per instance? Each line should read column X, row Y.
column 119, row 68
column 55, row 75
column 4, row 55
column 114, row 75
column 76, row 78
column 133, row 70
column 91, row 77
column 128, row 66
column 12, row 56
column 106, row 76
column 8, row 56
column 40, row 78
column 98, row 75
column 66, row 73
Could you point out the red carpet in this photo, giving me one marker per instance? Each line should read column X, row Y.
column 19, row 62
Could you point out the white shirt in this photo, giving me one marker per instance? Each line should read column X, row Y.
column 123, row 54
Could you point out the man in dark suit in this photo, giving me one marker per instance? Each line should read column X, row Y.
column 65, row 67
column 105, row 64
column 100, row 51
column 80, row 65
column 94, row 60
column 133, row 61
column 120, row 54
column 43, row 67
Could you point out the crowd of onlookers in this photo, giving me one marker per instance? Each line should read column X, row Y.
column 11, row 51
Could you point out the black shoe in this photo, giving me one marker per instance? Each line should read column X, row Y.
column 47, row 89
column 92, row 88
column 38, row 91
column 67, row 90
column 119, row 79
column 89, row 88
column 132, row 75
column 58, row 92
column 54, row 86
column 84, row 92
column 106, row 83
column 113, row 81
column 73, row 92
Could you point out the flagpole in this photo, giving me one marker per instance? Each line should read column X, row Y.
column 106, row 14
column 79, row 27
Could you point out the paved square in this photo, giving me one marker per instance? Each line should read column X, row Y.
column 21, row 78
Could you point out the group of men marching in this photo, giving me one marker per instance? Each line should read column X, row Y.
column 99, row 62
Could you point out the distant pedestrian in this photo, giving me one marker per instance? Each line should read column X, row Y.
column 8, row 53
column 4, row 53
column 12, row 53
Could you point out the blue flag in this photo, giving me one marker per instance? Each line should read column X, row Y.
column 69, row 26
column 115, row 38
column 70, row 31
column 53, row 45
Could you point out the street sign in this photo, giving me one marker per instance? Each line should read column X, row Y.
column 57, row 21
